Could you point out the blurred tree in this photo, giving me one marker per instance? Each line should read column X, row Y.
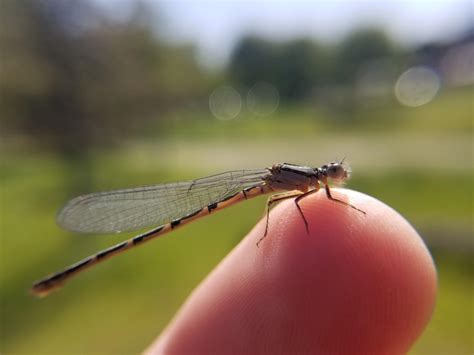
column 73, row 78
column 302, row 65
column 361, row 63
column 294, row 67
column 252, row 60
column 43, row 73
column 297, row 67
column 357, row 50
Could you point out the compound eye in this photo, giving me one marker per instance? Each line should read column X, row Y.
column 335, row 171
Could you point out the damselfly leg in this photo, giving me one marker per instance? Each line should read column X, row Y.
column 329, row 196
column 271, row 201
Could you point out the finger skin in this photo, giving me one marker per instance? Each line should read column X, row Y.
column 356, row 284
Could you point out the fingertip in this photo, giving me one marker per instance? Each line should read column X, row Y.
column 369, row 274
column 356, row 283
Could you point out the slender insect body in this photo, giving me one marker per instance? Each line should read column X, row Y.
column 173, row 205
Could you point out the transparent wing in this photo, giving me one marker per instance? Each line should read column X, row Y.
column 132, row 209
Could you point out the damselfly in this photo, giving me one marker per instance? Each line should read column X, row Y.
column 175, row 204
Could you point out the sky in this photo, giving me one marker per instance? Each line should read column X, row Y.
column 215, row 26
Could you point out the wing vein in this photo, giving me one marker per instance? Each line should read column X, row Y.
column 137, row 208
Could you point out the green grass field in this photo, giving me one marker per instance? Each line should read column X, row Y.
column 123, row 304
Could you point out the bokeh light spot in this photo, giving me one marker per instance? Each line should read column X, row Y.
column 263, row 99
column 417, row 86
column 225, row 103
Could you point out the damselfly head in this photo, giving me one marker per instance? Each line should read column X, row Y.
column 337, row 171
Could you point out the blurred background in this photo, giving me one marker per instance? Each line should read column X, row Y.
column 98, row 95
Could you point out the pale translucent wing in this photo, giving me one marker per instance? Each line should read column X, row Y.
column 132, row 209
